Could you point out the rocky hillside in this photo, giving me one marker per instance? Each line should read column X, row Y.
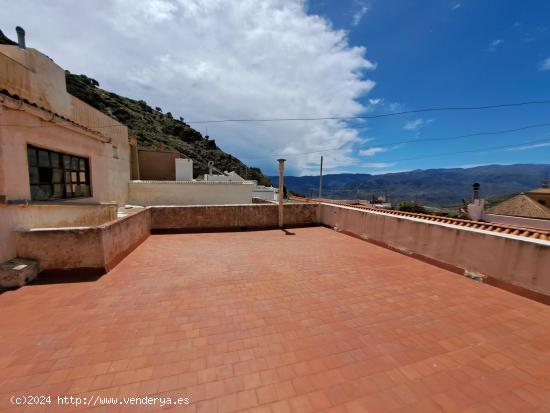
column 156, row 129
column 153, row 128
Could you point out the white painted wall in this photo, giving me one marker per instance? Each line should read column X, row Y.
column 230, row 177
column 265, row 193
column 184, row 169
column 150, row 193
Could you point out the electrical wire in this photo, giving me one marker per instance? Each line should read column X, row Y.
column 382, row 115
column 390, row 144
column 515, row 145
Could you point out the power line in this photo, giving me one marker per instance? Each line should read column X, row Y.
column 382, row 115
column 390, row 144
column 492, row 148
column 515, row 145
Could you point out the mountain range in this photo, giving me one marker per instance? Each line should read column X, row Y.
column 433, row 187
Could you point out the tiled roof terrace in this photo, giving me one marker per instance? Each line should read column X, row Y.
column 268, row 322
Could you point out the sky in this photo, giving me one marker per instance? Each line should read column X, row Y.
column 252, row 59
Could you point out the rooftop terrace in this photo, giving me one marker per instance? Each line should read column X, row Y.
column 312, row 320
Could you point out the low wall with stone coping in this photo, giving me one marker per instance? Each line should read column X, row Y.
column 99, row 247
column 102, row 247
column 48, row 215
column 509, row 261
column 230, row 217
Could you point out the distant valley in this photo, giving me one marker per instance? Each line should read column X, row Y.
column 435, row 187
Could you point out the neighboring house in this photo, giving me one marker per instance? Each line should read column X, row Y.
column 61, row 160
column 533, row 204
column 542, row 194
column 521, row 206
column 53, row 146
column 528, row 210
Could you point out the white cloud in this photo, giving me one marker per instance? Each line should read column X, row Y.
column 378, row 165
column 215, row 59
column 494, row 44
column 376, row 101
column 527, row 147
column 545, row 64
column 456, row 6
column 359, row 14
column 417, row 124
column 371, row 151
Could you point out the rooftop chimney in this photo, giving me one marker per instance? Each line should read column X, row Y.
column 20, row 37
column 476, row 190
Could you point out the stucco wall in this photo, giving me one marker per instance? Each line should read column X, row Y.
column 100, row 247
column 157, row 165
column 519, row 261
column 122, row 236
column 109, row 175
column 32, row 75
column 47, row 216
column 230, row 216
column 150, row 193
column 61, row 248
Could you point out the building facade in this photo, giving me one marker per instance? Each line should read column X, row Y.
column 54, row 148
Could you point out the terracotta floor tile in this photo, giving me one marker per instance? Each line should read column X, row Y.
column 317, row 321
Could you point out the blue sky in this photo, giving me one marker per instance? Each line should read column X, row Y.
column 438, row 53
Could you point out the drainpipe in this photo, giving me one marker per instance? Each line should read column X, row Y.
column 281, row 189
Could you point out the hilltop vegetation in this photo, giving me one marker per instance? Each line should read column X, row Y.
column 155, row 129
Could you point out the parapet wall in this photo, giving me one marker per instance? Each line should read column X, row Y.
column 505, row 259
column 37, row 215
column 103, row 246
column 225, row 217
column 514, row 262
column 98, row 247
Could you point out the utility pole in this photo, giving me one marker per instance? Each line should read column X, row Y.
column 321, row 179
column 281, row 190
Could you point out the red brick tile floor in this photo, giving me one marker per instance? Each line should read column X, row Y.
column 268, row 322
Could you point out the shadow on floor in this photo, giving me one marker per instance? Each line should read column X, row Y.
column 68, row 276
column 287, row 232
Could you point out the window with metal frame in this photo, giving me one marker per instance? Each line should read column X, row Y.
column 55, row 175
